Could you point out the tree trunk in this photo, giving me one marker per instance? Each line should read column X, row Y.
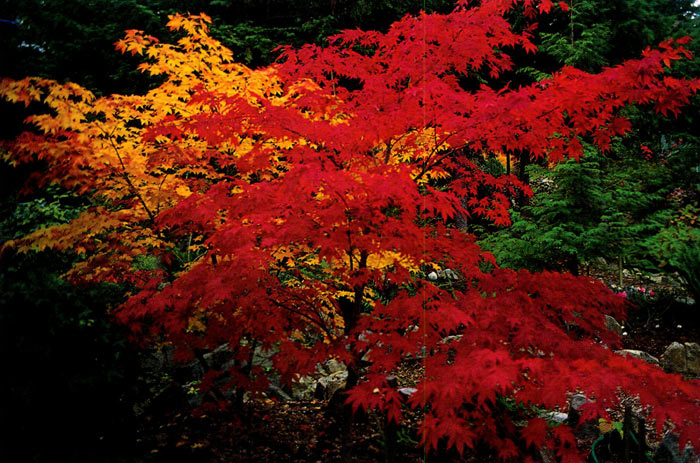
column 572, row 265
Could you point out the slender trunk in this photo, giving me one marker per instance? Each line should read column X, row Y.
column 337, row 411
column 627, row 434
column 619, row 269
column 571, row 22
column 523, row 162
column 351, row 317
column 346, row 416
column 572, row 265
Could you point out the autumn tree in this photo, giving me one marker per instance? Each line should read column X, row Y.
column 300, row 208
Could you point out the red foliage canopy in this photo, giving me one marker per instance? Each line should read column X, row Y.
column 336, row 184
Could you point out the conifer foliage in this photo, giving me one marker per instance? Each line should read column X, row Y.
column 299, row 208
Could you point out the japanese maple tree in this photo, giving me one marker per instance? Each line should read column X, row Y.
column 319, row 194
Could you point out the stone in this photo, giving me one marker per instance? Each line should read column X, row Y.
column 612, row 324
column 668, row 451
column 449, row 273
column 327, row 386
column 554, row 417
column 304, row 388
column 331, row 366
column 156, row 361
column 407, row 392
column 692, row 350
column 640, row 354
column 452, row 338
column 263, row 357
column 217, row 358
column 278, row 392
column 674, row 358
column 547, row 456
column 578, row 401
column 433, row 276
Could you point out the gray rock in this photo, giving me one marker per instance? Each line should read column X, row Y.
column 674, row 358
column 331, row 366
column 449, row 273
column 554, row 417
column 156, row 361
column 304, row 388
column 329, row 385
column 578, row 401
column 407, row 391
column 612, row 324
column 322, row 388
column 263, row 357
column 451, row 339
column 668, row 451
column 692, row 350
column 640, row 354
column 217, row 358
column 276, row 391
column 433, row 276
column 547, row 455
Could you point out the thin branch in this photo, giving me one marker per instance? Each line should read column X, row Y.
column 390, row 145
column 318, row 323
column 125, row 174
column 427, row 165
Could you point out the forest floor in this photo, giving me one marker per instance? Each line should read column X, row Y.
column 303, row 431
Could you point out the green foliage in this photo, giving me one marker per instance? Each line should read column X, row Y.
column 53, row 206
column 587, row 52
column 596, row 33
column 595, row 207
column 146, row 262
column 559, row 227
column 677, row 248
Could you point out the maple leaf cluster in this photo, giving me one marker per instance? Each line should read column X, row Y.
column 314, row 196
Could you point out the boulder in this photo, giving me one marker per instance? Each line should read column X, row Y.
column 449, row 273
column 304, row 388
column 554, row 417
column 327, row 386
column 219, row 357
column 407, row 392
column 331, row 366
column 578, row 401
column 640, row 354
column 331, row 376
column 682, row 358
column 692, row 350
column 668, row 451
column 613, row 325
column 279, row 393
column 452, row 338
column 263, row 357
